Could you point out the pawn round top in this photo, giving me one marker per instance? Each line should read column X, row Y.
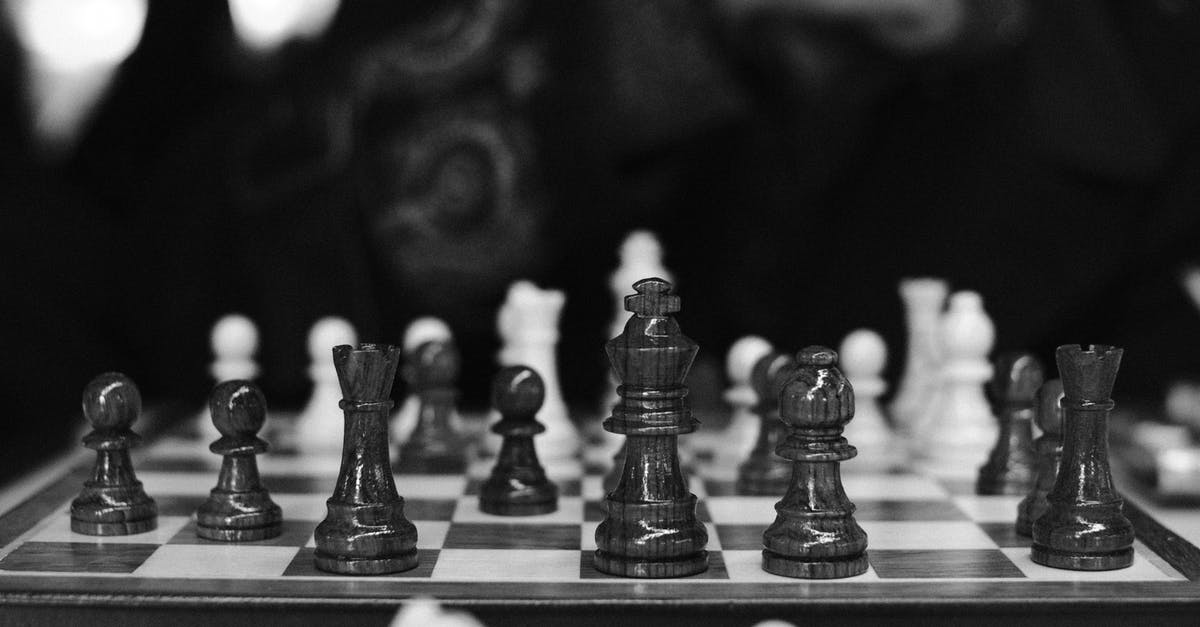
column 518, row 392
column 769, row 375
column 434, row 364
column 641, row 245
column 424, row 329
column 817, row 395
column 238, row 408
column 818, row 356
column 966, row 330
column 234, row 336
column 327, row 333
column 1017, row 377
column 111, row 402
column 1049, row 416
column 739, row 362
column 863, row 353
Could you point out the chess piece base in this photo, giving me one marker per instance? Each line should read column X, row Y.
column 836, row 568
column 684, row 566
column 123, row 528
column 248, row 534
column 366, row 566
column 502, row 508
column 1113, row 560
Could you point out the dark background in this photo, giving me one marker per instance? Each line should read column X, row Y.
column 420, row 156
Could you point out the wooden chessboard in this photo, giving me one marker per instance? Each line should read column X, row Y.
column 937, row 551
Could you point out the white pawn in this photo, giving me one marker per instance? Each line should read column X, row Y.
column 528, row 327
column 234, row 342
column 961, row 430
column 641, row 257
column 923, row 299
column 404, row 419
column 320, row 425
column 862, row 357
column 739, row 437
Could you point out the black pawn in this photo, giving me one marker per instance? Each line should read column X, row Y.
column 112, row 502
column 650, row 528
column 1049, row 453
column 814, row 535
column 764, row 472
column 434, row 447
column 1084, row 527
column 518, row 485
column 239, row 509
column 1010, row 466
column 365, row 531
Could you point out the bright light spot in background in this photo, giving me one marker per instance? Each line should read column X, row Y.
column 73, row 35
column 264, row 25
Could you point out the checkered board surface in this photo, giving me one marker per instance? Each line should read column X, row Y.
column 920, row 530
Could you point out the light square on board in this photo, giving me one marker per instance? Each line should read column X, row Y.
column 916, row 535
column 431, row 486
column 746, row 566
column 1141, row 570
column 570, row 510
column 294, row 533
column 58, row 529
column 163, row 483
column 505, row 565
column 299, row 506
column 1005, row 535
column 234, row 561
column 734, row 510
column 1001, row 508
column 885, row 487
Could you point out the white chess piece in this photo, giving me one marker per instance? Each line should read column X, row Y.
column 863, row 355
column 641, row 257
column 320, row 425
column 234, row 342
column 961, row 430
column 404, row 419
column 737, row 440
column 528, row 327
column 427, row 612
column 923, row 299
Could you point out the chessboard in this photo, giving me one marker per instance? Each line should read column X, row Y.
column 937, row 553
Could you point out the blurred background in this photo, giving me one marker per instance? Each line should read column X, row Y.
column 165, row 163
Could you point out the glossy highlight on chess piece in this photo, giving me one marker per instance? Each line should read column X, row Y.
column 112, row 502
column 651, row 529
column 365, row 531
column 1049, row 453
column 1010, row 466
column 814, row 535
column 518, row 485
column 764, row 473
column 239, row 508
column 1085, row 527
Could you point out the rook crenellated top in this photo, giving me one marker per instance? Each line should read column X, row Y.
column 1088, row 373
column 366, row 373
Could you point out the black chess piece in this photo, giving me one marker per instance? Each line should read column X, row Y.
column 1049, row 453
column 764, row 472
column 434, row 447
column 1084, row 527
column 814, row 535
column 651, row 529
column 112, row 502
column 365, row 531
column 1010, row 466
column 518, row 485
column 239, row 508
